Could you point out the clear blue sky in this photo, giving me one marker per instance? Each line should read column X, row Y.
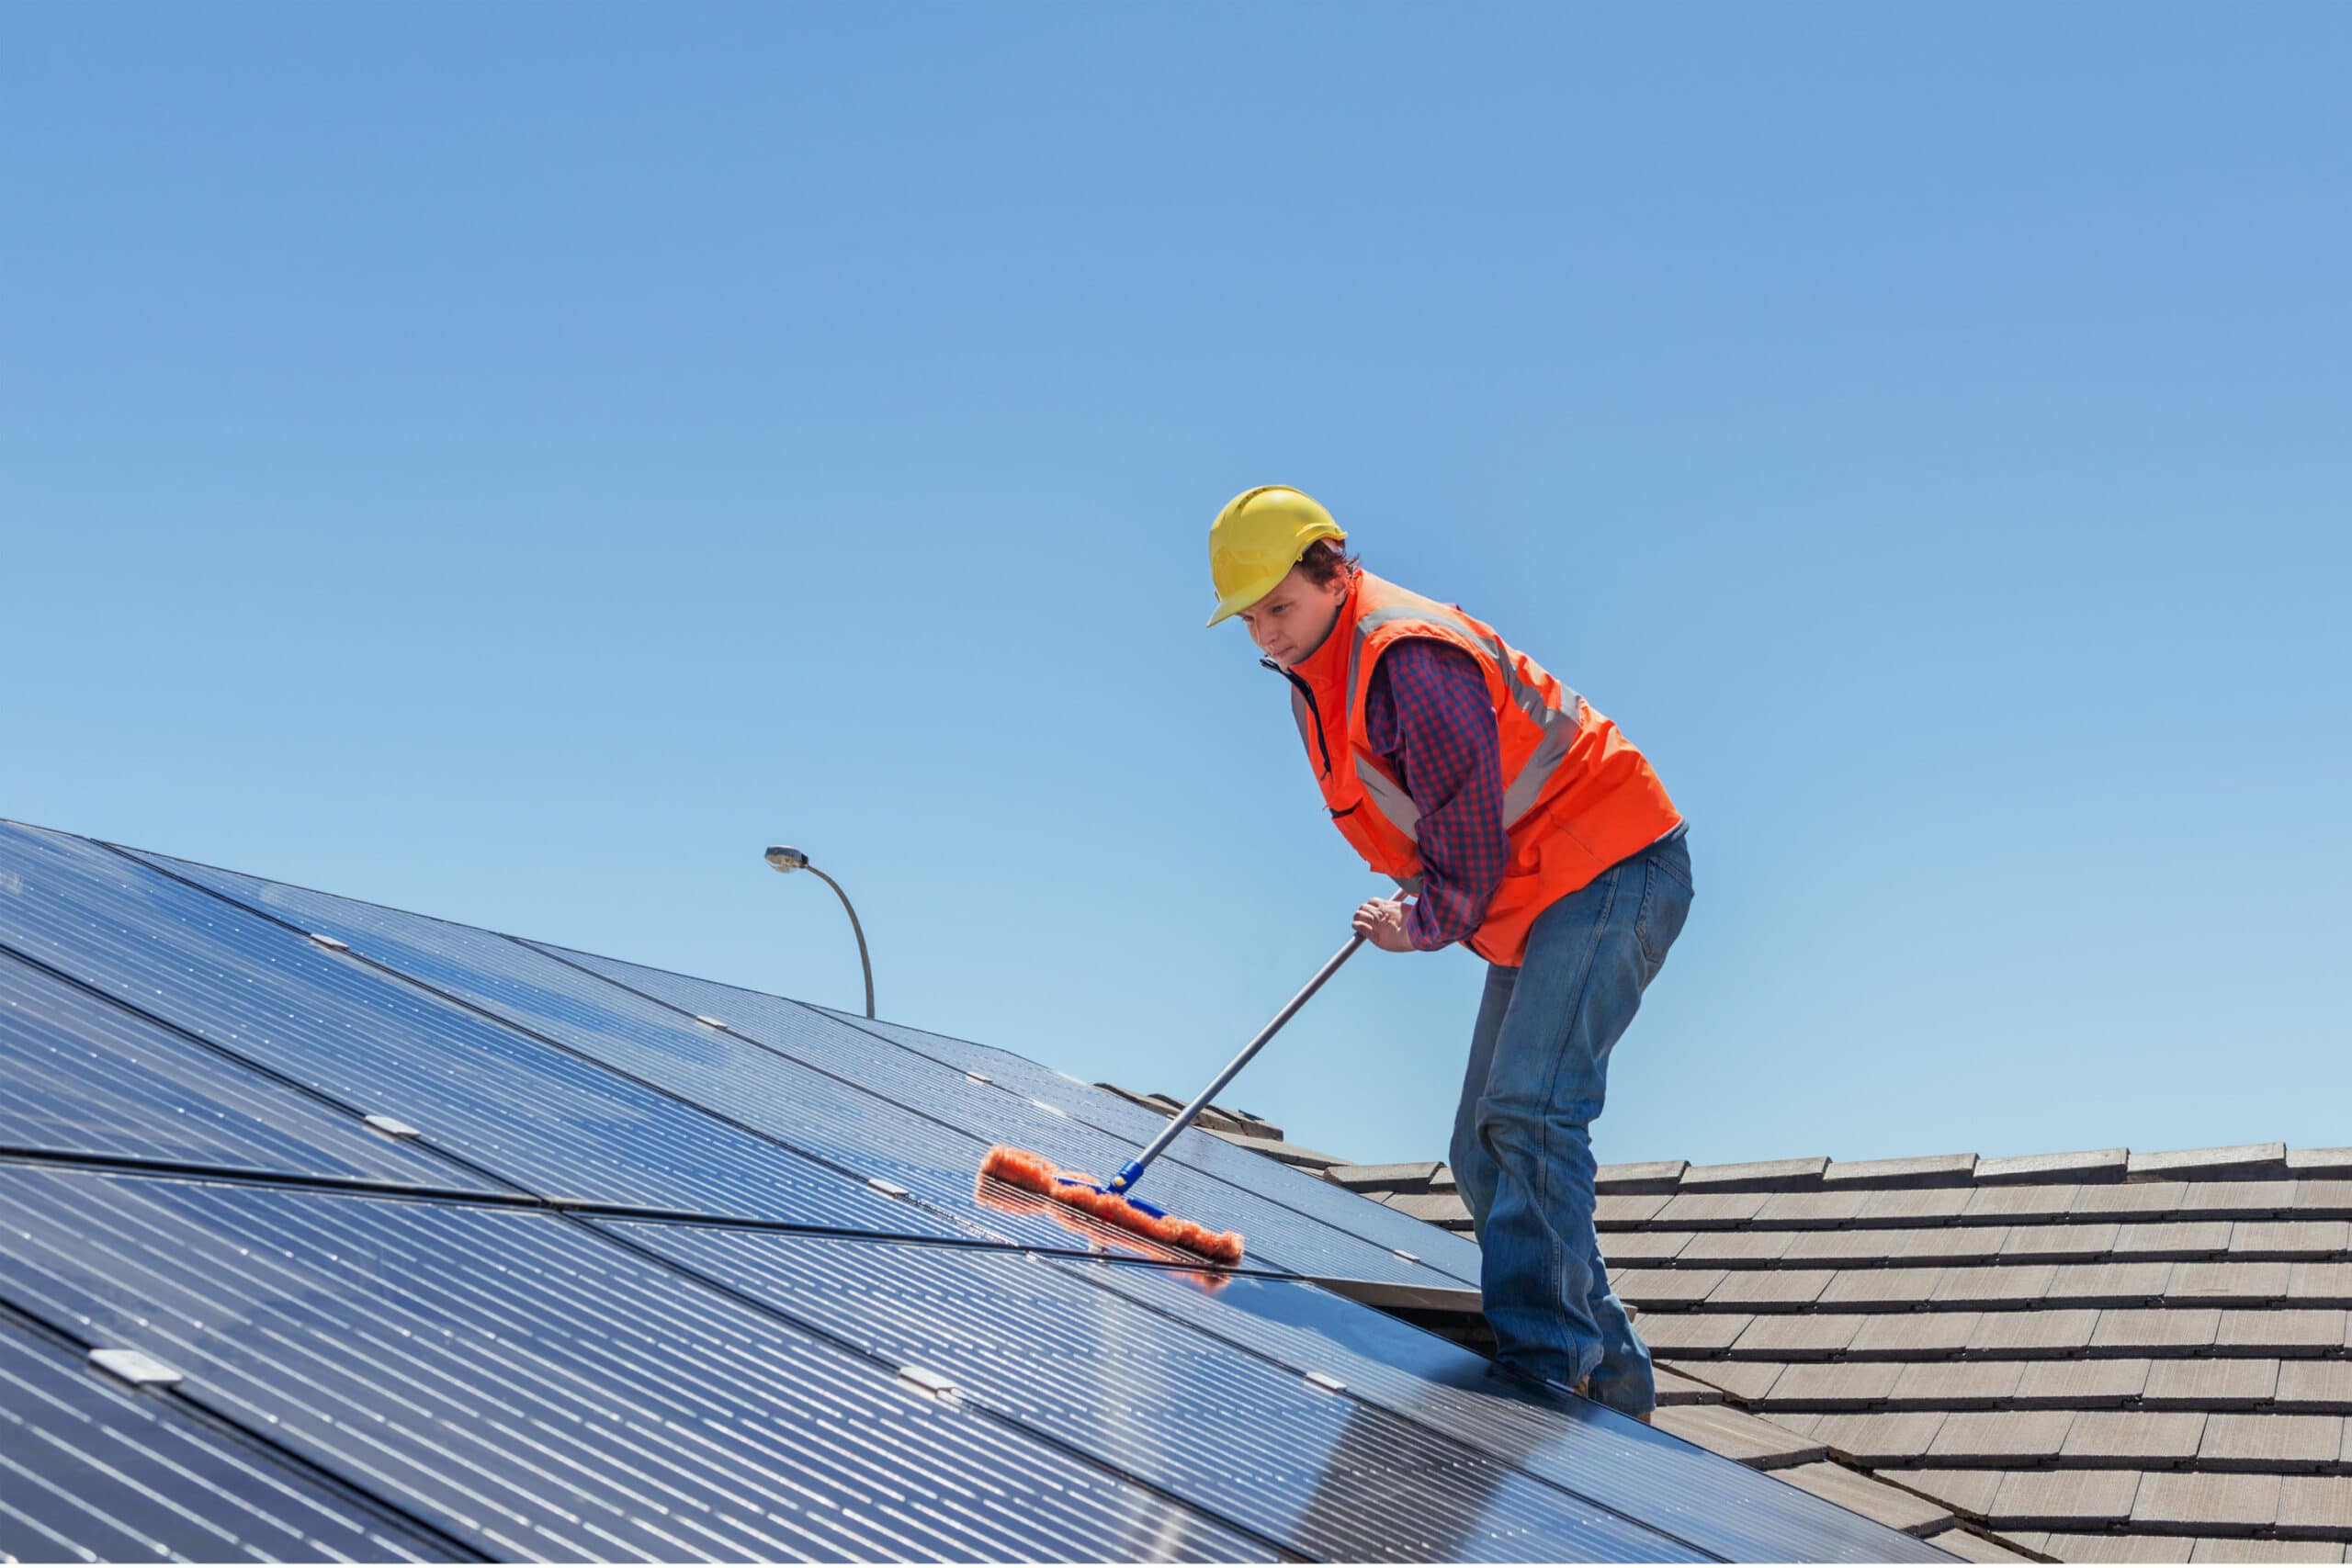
column 514, row 461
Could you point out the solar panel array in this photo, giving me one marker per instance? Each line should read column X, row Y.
column 438, row 1245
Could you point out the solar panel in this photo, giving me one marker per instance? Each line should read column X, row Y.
column 364, row 1040
column 81, row 1074
column 531, row 1389
column 795, row 1074
column 602, row 1278
column 92, row 1470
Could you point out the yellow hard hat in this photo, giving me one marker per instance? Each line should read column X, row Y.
column 1258, row 539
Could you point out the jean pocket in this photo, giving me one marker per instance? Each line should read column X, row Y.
column 1666, row 904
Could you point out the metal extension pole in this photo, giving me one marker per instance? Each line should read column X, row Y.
column 864, row 962
column 1133, row 1170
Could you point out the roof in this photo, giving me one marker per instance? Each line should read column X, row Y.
column 337, row 1231
column 2095, row 1356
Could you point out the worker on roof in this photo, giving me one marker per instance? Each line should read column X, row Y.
column 1524, row 825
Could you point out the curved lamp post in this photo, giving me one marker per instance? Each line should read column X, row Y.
column 785, row 858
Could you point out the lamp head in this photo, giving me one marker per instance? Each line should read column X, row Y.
column 786, row 858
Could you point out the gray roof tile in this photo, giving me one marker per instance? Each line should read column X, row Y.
column 2226, row 1284
column 2037, row 1200
column 2211, row 1383
column 2113, row 1284
column 2291, row 1238
column 1702, row 1211
column 2313, row 1284
column 2087, row 1383
column 1969, row 1491
column 1289, row 1154
column 1770, row 1287
column 2118, row 1547
column 2145, row 1437
column 2315, row 1503
column 1673, row 1388
column 1649, row 1176
column 2155, row 1328
column 1736, row 1246
column 2205, row 1502
column 2089, row 1165
column 1665, row 1287
column 2240, row 1200
column 1637, row 1248
column 1872, row 1499
column 2321, row 1198
column 2053, row 1331
column 2322, row 1387
column 1801, row 1210
column 1973, row 1547
column 1870, row 1248
column 1958, row 1385
column 1889, row 1289
column 2271, row 1443
column 2181, row 1240
column 1925, row 1170
column 2003, row 1436
column 1407, row 1178
column 2056, row 1244
column 2128, row 1200
column 1748, row 1381
column 1881, row 1438
column 1788, row 1337
column 1925, row 1203
column 1834, row 1385
column 1736, row 1435
column 2240, row 1159
column 2063, row 1499
column 1910, row 1336
column 1692, row 1333
column 1614, row 1209
column 2288, row 1332
column 1757, row 1176
column 2320, row 1162
column 1445, row 1209
column 2225, row 1549
column 1993, row 1286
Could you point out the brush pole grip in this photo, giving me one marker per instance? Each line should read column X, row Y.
column 1133, row 1171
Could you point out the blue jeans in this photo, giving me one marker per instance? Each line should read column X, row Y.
column 1522, row 1144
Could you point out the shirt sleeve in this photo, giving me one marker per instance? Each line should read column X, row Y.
column 1427, row 715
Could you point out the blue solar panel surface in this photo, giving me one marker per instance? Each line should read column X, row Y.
column 632, row 1282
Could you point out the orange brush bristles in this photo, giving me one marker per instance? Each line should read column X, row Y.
column 1037, row 1174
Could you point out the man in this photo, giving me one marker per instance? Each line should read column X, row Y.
column 1525, row 827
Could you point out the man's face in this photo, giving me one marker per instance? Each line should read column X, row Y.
column 1292, row 622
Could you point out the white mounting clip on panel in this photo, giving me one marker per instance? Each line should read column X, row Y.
column 1405, row 1254
column 1326, row 1381
column 392, row 1127
column 887, row 1189
column 135, row 1367
column 931, row 1383
column 331, row 944
column 1056, row 1110
column 705, row 1019
column 980, row 1077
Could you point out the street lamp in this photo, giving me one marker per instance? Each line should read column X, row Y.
column 786, row 858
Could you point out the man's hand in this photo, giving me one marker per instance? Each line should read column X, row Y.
column 1383, row 919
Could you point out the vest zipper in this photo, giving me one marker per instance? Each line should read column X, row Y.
column 1312, row 711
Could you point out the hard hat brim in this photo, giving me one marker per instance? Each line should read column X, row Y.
column 1242, row 598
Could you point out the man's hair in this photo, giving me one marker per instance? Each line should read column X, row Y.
column 1324, row 560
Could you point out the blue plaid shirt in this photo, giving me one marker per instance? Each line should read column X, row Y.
column 1426, row 717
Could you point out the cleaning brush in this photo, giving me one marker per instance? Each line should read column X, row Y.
column 1110, row 1201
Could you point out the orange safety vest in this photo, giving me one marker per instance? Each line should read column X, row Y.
column 1577, row 795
